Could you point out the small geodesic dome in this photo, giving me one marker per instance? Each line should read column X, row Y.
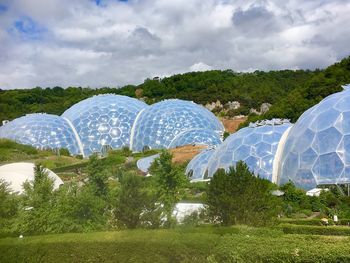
column 104, row 121
column 158, row 125
column 196, row 169
column 43, row 131
column 196, row 137
column 317, row 148
column 255, row 145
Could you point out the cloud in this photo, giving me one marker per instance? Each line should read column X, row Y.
column 113, row 43
column 200, row 66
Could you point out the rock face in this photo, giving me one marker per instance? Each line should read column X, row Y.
column 213, row 105
column 265, row 107
column 233, row 105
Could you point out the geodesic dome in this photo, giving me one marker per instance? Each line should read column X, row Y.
column 145, row 163
column 43, row 131
column 256, row 146
column 197, row 167
column 317, row 148
column 104, row 120
column 158, row 125
column 197, row 137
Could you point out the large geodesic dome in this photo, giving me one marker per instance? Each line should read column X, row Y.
column 43, row 131
column 255, row 145
column 197, row 167
column 158, row 125
column 104, row 120
column 317, row 148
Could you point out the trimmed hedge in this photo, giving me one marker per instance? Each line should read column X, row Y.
column 316, row 230
column 196, row 244
column 302, row 222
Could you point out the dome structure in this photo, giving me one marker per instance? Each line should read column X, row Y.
column 317, row 148
column 255, row 145
column 18, row 173
column 197, row 137
column 158, row 125
column 197, row 167
column 145, row 163
column 43, row 131
column 104, row 120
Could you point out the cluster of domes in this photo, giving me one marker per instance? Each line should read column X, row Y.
column 314, row 151
column 255, row 145
column 113, row 121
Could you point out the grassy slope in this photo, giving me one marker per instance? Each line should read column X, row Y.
column 237, row 244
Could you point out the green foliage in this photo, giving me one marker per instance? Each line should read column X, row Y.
column 196, row 244
column 97, row 176
column 238, row 197
column 169, row 181
column 135, row 206
column 8, row 206
column 316, row 230
column 290, row 92
column 64, row 152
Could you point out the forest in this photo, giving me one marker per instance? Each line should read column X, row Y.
column 290, row 92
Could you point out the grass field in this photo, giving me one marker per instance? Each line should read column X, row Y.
column 201, row 244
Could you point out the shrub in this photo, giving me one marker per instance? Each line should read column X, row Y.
column 237, row 196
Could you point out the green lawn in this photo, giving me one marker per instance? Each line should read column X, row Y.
column 204, row 244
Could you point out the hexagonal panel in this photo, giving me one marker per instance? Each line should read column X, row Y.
column 327, row 141
column 327, row 168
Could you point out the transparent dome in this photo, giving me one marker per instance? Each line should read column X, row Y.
column 104, row 120
column 256, row 146
column 43, row 131
column 159, row 124
column 145, row 163
column 197, row 167
column 317, row 148
column 197, row 137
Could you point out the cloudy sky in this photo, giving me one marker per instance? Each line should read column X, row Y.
column 112, row 43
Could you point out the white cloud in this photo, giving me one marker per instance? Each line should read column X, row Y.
column 200, row 66
column 122, row 43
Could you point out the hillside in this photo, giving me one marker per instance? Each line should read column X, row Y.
column 290, row 92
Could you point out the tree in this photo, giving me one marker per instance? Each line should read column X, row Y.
column 130, row 203
column 8, row 205
column 237, row 196
column 169, row 182
column 97, row 176
column 136, row 205
column 38, row 201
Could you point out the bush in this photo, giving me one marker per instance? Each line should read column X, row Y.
column 316, row 230
column 238, row 197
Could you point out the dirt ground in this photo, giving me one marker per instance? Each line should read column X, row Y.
column 185, row 153
column 231, row 125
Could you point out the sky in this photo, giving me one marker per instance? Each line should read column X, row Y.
column 112, row 43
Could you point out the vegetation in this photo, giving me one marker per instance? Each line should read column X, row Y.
column 200, row 244
column 238, row 197
column 169, row 182
column 290, row 92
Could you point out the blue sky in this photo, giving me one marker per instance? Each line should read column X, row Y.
column 112, row 43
